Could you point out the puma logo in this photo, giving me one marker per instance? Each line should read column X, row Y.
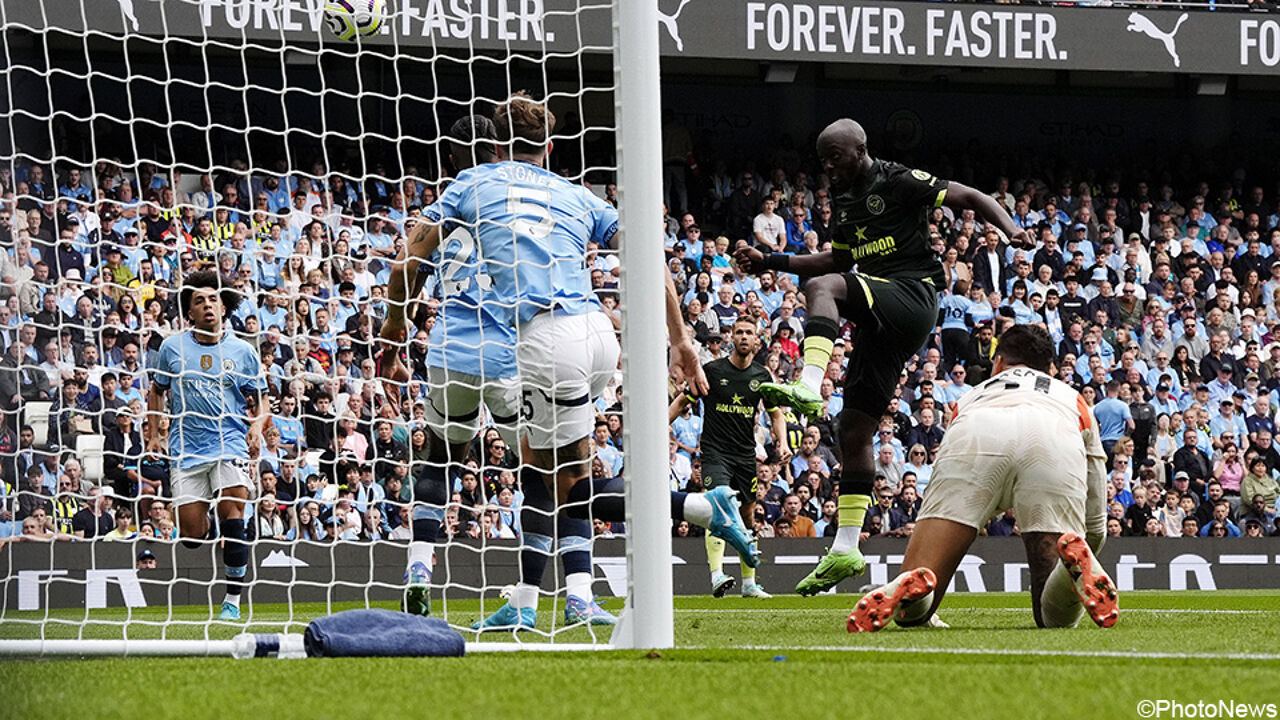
column 670, row 23
column 1141, row 23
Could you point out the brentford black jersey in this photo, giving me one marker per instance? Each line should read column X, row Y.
column 731, row 407
column 884, row 226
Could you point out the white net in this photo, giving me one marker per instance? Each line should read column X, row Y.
column 145, row 142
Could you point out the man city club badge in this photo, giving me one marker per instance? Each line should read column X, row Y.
column 228, row 365
column 875, row 204
column 206, row 362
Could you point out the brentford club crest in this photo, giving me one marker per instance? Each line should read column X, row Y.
column 875, row 204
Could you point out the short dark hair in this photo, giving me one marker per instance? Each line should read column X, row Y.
column 1028, row 345
column 471, row 141
column 208, row 280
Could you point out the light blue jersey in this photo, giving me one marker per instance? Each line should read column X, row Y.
column 954, row 310
column 532, row 227
column 473, row 334
column 981, row 312
column 207, row 385
column 1113, row 416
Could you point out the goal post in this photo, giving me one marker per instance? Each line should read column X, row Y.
column 176, row 111
column 649, row 596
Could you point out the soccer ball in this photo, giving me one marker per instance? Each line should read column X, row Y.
column 348, row 18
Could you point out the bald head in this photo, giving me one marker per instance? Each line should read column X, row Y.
column 845, row 132
column 842, row 147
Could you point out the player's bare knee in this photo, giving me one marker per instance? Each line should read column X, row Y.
column 826, row 287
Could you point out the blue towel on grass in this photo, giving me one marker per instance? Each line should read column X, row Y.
column 382, row 633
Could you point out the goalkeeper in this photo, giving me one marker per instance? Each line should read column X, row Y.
column 1020, row 440
column 215, row 391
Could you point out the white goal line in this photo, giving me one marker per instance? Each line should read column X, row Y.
column 996, row 651
column 950, row 611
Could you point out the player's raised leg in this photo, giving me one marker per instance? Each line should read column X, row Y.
column 823, row 296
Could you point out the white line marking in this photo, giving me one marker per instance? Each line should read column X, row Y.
column 950, row 611
column 1242, row 559
column 997, row 651
column 796, row 559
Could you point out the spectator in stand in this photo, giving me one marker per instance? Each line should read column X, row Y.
column 797, row 525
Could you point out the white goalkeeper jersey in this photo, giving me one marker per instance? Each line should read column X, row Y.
column 1022, row 387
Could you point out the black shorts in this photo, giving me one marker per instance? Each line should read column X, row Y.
column 737, row 474
column 894, row 319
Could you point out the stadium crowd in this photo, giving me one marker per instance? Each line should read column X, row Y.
column 1164, row 301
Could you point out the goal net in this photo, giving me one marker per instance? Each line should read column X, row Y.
column 145, row 142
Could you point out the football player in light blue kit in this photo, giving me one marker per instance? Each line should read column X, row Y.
column 214, row 387
column 471, row 357
column 532, row 228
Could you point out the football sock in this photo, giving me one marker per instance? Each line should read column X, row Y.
column 692, row 507
column 602, row 498
column 853, row 510
column 575, row 545
column 421, row 550
column 578, row 585
column 715, row 555
column 539, row 527
column 819, row 339
column 1059, row 605
column 425, row 530
column 588, row 499
column 535, row 551
column 235, row 555
column 748, row 576
column 575, row 540
column 524, row 596
column 431, row 491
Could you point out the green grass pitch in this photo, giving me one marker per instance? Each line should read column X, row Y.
column 734, row 658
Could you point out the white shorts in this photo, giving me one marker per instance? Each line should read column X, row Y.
column 993, row 459
column 453, row 403
column 203, row 483
column 565, row 361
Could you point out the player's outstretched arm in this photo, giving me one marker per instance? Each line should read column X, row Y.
column 963, row 197
column 752, row 261
column 155, row 408
column 423, row 240
column 684, row 359
column 405, row 274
